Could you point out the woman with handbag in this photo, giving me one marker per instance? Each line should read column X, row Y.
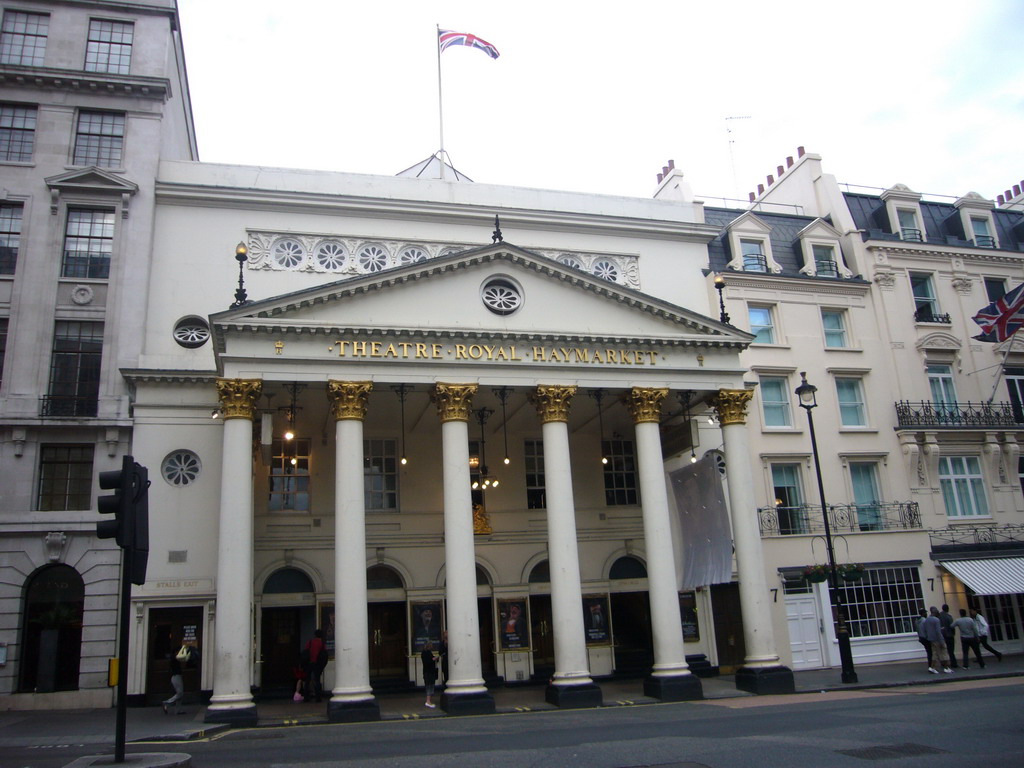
column 177, row 681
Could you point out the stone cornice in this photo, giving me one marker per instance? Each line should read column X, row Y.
column 93, row 83
column 168, row 376
column 817, row 286
column 968, row 253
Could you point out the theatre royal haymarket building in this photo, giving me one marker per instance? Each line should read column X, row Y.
column 392, row 407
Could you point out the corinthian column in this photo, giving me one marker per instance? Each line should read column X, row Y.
column 671, row 679
column 232, row 664
column 465, row 692
column 761, row 671
column 571, row 685
column 352, row 697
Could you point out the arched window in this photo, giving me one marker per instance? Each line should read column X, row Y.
column 51, row 646
column 541, row 573
column 627, row 568
column 287, row 580
column 482, row 579
column 383, row 577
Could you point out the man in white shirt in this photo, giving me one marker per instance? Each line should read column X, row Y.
column 983, row 630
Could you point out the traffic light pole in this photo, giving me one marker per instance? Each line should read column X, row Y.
column 122, row 656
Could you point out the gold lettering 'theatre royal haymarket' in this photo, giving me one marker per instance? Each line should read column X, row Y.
column 512, row 353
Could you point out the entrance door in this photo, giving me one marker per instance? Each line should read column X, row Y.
column 280, row 644
column 387, row 643
column 804, row 631
column 168, row 628
column 542, row 637
column 485, row 608
column 728, row 618
column 631, row 631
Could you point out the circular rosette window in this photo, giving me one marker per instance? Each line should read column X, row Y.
column 288, row 253
column 501, row 295
column 181, row 468
column 191, row 332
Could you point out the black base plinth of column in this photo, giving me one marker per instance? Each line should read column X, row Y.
column 574, row 696
column 467, row 703
column 353, row 711
column 765, row 680
column 242, row 718
column 674, row 688
column 700, row 666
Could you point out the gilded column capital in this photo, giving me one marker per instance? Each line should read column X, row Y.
column 644, row 403
column 552, row 402
column 453, row 401
column 348, row 398
column 731, row 405
column 238, row 397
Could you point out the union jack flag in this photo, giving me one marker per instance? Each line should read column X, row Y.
column 445, row 38
column 1003, row 317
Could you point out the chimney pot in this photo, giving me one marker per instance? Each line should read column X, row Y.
column 752, row 197
column 1016, row 189
column 799, row 151
column 771, row 179
column 780, row 170
column 1006, row 192
column 789, row 161
column 664, row 170
column 999, row 199
column 760, row 189
column 672, row 164
column 660, row 177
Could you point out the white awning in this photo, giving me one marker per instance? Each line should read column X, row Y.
column 992, row 576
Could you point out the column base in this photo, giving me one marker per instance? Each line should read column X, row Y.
column 765, row 680
column 674, row 688
column 365, row 711
column 574, row 696
column 467, row 703
column 241, row 717
column 700, row 666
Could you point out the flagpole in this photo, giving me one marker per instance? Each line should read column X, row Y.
column 440, row 104
column 1002, row 368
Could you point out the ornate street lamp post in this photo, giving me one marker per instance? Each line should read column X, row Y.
column 808, row 400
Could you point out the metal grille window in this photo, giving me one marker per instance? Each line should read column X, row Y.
column 775, row 401
column 852, row 412
column 963, row 487
column 289, row 475
column 88, row 243
column 109, row 48
column 761, row 325
column 10, row 238
column 533, row 453
column 620, row 473
column 380, row 475
column 23, row 38
column 835, row 328
column 99, row 138
column 75, row 369
column 17, row 133
column 65, row 477
column 884, row 602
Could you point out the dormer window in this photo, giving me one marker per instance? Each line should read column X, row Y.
column 982, row 234
column 821, row 251
column 753, row 256
column 976, row 220
column 910, row 230
column 825, row 263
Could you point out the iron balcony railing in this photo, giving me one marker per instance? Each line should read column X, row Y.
column 985, row 241
column 911, row 235
column 981, row 537
column 928, row 315
column 963, row 415
column 826, row 268
column 755, row 262
column 842, row 518
column 59, row 406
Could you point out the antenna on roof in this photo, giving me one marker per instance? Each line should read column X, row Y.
column 732, row 159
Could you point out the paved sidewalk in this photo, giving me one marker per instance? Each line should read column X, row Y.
column 96, row 726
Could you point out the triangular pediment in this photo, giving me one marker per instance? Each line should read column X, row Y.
column 92, row 179
column 748, row 222
column 448, row 298
column 820, row 228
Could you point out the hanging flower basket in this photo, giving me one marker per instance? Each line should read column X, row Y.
column 851, row 571
column 816, row 573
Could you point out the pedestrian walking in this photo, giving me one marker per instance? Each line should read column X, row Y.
column 429, row 672
column 177, row 682
column 933, row 631
column 983, row 630
column 443, row 653
column 922, row 638
column 968, row 638
column 314, row 658
column 946, row 619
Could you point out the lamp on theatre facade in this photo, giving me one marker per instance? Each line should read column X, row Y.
column 808, row 400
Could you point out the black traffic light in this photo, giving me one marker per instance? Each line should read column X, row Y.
column 129, row 503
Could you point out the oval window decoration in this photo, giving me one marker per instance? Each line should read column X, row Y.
column 330, row 255
column 501, row 295
column 288, row 253
column 191, row 332
column 181, row 468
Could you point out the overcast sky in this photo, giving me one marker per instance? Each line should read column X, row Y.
column 597, row 96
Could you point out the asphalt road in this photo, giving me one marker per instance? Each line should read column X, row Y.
column 970, row 723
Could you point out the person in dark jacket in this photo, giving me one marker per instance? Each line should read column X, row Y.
column 315, row 659
column 429, row 672
column 946, row 620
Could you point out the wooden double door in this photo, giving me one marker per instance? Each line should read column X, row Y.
column 168, row 629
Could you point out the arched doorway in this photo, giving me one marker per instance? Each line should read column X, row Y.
column 631, row 617
column 288, row 615
column 387, row 626
column 485, row 610
column 51, row 648
column 541, row 635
